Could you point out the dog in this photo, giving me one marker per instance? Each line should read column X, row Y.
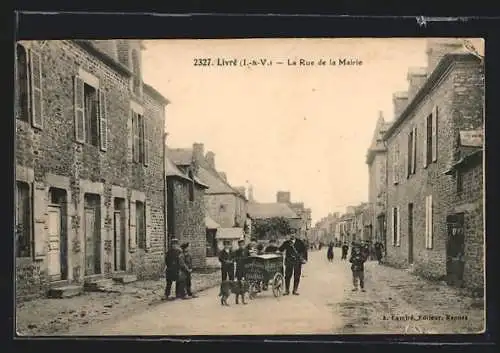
column 237, row 287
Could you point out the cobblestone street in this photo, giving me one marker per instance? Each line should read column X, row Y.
column 326, row 305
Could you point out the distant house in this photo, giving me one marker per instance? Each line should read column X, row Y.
column 298, row 207
column 186, row 209
column 211, row 227
column 224, row 204
column 260, row 212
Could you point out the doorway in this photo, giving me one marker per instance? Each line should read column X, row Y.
column 410, row 233
column 119, row 235
column 455, row 249
column 92, row 235
column 57, row 255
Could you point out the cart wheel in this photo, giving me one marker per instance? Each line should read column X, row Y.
column 253, row 290
column 277, row 284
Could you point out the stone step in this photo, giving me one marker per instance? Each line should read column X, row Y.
column 98, row 285
column 68, row 291
column 124, row 278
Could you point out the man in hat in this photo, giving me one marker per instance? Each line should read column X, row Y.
column 226, row 259
column 239, row 256
column 172, row 268
column 295, row 257
column 186, row 261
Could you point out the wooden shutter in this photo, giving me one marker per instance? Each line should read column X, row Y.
column 398, row 230
column 393, row 226
column 36, row 90
column 136, row 136
column 103, row 120
column 408, row 155
column 149, row 226
column 395, row 166
column 132, row 239
column 414, row 151
column 424, row 145
column 146, row 143
column 434, row 133
column 431, row 235
column 40, row 201
column 79, row 104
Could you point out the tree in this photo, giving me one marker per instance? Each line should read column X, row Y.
column 272, row 227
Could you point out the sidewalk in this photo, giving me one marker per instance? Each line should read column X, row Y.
column 396, row 301
column 55, row 316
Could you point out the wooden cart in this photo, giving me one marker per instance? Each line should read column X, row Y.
column 264, row 270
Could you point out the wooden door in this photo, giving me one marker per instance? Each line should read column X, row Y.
column 54, row 246
column 90, row 240
column 455, row 249
column 119, row 242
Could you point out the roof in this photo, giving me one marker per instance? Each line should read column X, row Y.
column 258, row 210
column 472, row 158
column 181, row 156
column 216, row 185
column 230, row 233
column 210, row 223
column 172, row 171
column 473, row 138
column 429, row 84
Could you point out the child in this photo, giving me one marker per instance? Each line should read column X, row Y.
column 227, row 261
column 358, row 269
column 187, row 268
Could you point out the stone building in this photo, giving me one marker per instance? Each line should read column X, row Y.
column 299, row 209
column 89, row 165
column 376, row 159
column 421, row 144
column 260, row 212
column 465, row 219
column 186, row 209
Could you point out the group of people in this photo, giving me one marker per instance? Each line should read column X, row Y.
column 369, row 250
column 178, row 269
column 295, row 250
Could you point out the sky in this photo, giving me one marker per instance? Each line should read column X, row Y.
column 303, row 129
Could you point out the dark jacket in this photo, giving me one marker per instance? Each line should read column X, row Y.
column 226, row 259
column 345, row 248
column 294, row 252
column 172, row 263
column 239, row 258
column 358, row 262
column 271, row 249
column 329, row 252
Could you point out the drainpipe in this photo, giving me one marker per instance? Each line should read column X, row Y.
column 165, row 229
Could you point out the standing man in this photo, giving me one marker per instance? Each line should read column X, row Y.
column 172, row 268
column 226, row 259
column 295, row 257
column 379, row 248
column 345, row 250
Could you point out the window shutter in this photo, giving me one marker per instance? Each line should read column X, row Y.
column 431, row 235
column 434, row 133
column 149, row 226
column 424, row 145
column 79, row 110
column 146, row 142
column 408, row 155
column 395, row 166
column 36, row 90
column 132, row 240
column 40, row 201
column 103, row 120
column 136, row 134
column 398, row 234
column 393, row 219
column 414, row 151
column 427, row 222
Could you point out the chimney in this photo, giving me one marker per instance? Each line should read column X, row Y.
column 210, row 158
column 439, row 47
column 198, row 152
column 416, row 78
column 283, row 197
column 223, row 176
column 399, row 99
column 250, row 194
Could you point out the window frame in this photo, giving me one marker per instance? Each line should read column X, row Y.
column 28, row 217
column 19, row 101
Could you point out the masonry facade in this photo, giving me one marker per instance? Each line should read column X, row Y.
column 89, row 165
column 420, row 148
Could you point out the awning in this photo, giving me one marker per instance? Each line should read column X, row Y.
column 230, row 233
column 210, row 223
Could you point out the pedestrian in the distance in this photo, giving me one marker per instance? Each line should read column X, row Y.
column 226, row 261
column 379, row 248
column 357, row 261
column 186, row 263
column 295, row 256
column 329, row 252
column 172, row 269
column 345, row 250
column 365, row 250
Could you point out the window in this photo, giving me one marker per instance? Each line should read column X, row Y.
column 140, row 213
column 396, row 226
column 23, row 220
column 430, row 140
column 91, row 125
column 411, row 156
column 395, row 164
column 428, row 222
column 460, row 181
column 140, row 146
column 22, row 96
column 191, row 187
column 136, row 81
